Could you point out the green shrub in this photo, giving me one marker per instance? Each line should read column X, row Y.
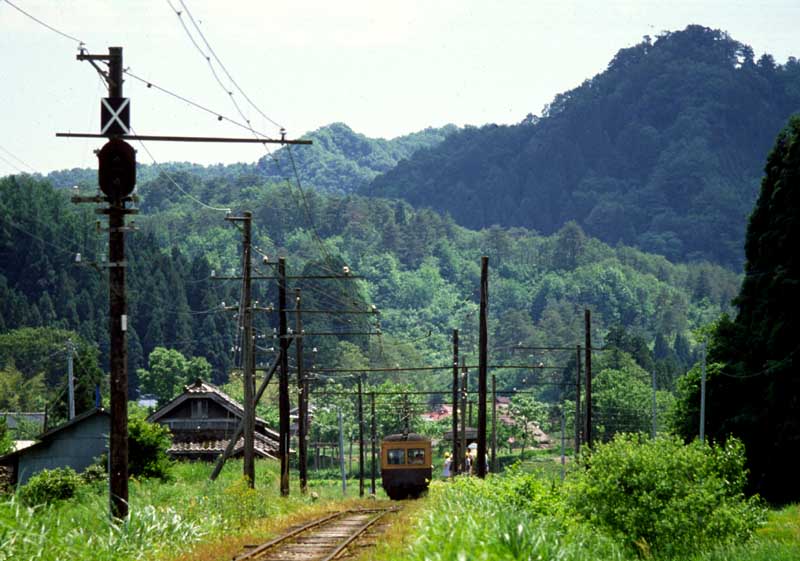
column 147, row 448
column 50, row 485
column 6, row 444
column 664, row 497
column 97, row 471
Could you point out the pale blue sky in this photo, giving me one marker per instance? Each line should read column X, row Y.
column 384, row 68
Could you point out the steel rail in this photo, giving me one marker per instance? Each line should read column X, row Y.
column 270, row 544
column 363, row 528
column 258, row 551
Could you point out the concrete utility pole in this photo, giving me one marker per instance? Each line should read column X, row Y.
column 483, row 345
column 283, row 380
column 494, row 424
column 655, row 420
column 373, row 439
column 587, row 318
column 455, row 463
column 360, row 436
column 341, row 453
column 703, row 396
column 464, row 390
column 70, row 379
column 302, row 396
column 578, row 401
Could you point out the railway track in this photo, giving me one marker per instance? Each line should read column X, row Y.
column 323, row 539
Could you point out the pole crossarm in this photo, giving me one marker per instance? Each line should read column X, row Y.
column 160, row 138
column 428, row 368
column 293, row 277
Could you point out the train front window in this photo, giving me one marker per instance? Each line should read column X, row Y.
column 416, row 456
column 396, row 456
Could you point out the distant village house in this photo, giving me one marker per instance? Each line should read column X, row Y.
column 203, row 419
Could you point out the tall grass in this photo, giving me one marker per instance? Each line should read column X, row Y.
column 164, row 517
column 522, row 516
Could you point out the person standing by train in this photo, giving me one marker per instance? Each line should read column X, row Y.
column 448, row 461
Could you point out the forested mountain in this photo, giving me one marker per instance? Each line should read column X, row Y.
column 339, row 161
column 663, row 150
column 419, row 268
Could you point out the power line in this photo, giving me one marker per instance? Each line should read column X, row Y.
column 47, row 25
column 222, row 66
column 219, row 116
column 177, row 185
column 23, row 162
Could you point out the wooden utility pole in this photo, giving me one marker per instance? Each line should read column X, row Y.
column 302, row 395
column 240, row 429
column 248, row 350
column 578, row 401
column 454, row 463
column 283, row 379
column 483, row 344
column 360, row 436
column 117, row 179
column 587, row 318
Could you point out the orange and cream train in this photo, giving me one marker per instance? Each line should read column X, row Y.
column 406, row 465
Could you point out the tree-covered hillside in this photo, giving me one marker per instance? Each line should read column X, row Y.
column 662, row 151
column 420, row 269
column 753, row 385
column 342, row 161
column 339, row 161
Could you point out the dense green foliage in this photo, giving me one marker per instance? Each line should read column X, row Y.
column 753, row 389
column 629, row 499
column 33, row 366
column 6, row 443
column 516, row 517
column 147, row 447
column 663, row 497
column 419, row 269
column 343, row 161
column 169, row 372
column 50, row 485
column 662, row 150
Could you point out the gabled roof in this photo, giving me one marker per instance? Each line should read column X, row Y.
column 201, row 389
column 44, row 437
column 263, row 447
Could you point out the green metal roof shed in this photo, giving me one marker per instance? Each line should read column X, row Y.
column 74, row 444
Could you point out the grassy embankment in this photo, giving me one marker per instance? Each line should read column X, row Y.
column 211, row 520
column 530, row 514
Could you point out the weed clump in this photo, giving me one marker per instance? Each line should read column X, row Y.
column 50, row 485
column 665, row 497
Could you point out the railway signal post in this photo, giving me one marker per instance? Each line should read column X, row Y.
column 117, row 179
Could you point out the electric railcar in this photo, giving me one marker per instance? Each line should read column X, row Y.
column 406, row 465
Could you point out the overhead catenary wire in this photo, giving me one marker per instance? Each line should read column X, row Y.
column 177, row 185
column 45, row 24
column 305, row 204
column 19, row 160
column 224, row 69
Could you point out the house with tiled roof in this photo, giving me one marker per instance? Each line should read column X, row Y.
column 203, row 419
